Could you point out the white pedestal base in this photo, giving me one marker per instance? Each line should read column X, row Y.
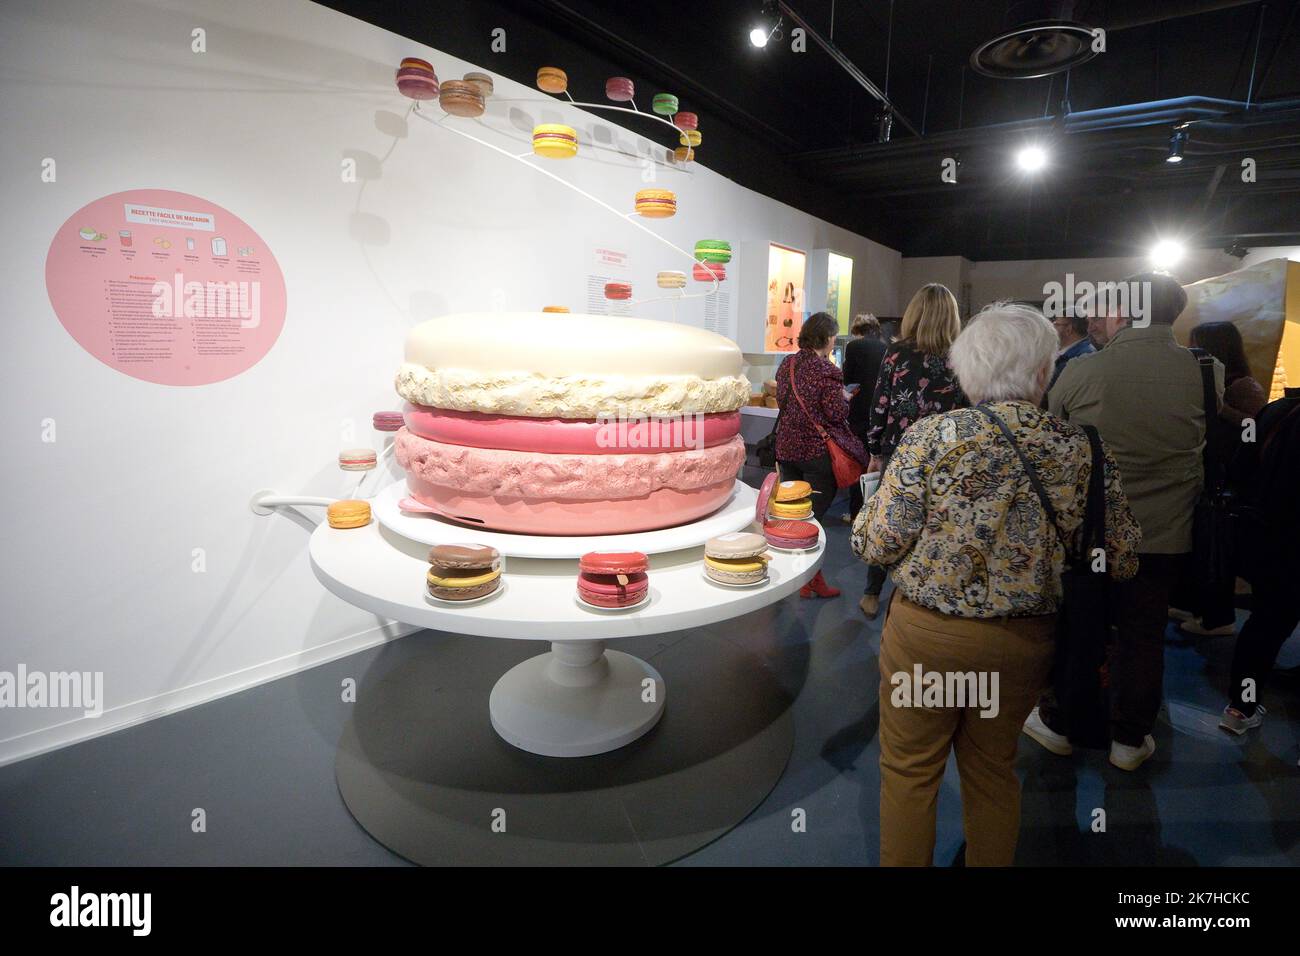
column 577, row 700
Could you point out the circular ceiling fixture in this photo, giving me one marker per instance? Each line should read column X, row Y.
column 1036, row 49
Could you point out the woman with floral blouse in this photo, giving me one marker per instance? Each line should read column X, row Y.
column 914, row 381
column 977, row 565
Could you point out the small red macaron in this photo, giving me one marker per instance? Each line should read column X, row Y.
column 708, row 271
column 618, row 290
column 613, row 579
column 791, row 534
column 686, row 121
column 619, row 89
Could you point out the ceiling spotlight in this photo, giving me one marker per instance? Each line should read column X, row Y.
column 1166, row 254
column 767, row 27
column 1177, row 140
column 1031, row 158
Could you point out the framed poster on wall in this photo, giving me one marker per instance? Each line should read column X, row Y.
column 786, row 270
column 830, row 286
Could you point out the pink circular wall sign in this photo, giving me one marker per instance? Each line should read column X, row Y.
column 166, row 287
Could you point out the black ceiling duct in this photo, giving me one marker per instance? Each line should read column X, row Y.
column 1040, row 39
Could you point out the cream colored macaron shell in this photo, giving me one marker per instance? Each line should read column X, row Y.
column 569, row 366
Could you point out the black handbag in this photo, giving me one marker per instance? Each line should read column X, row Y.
column 1079, row 673
column 1213, row 517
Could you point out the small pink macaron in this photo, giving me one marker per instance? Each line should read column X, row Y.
column 708, row 271
column 388, row 421
column 686, row 120
column 357, row 459
column 618, row 290
column 619, row 89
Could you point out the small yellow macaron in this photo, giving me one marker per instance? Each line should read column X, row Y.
column 656, row 203
column 802, row 508
column 690, row 137
column 555, row 141
column 349, row 513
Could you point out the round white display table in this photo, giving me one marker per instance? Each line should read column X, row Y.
column 579, row 699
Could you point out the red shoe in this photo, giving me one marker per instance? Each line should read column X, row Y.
column 819, row 588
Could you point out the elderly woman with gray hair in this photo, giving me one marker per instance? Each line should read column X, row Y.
column 976, row 566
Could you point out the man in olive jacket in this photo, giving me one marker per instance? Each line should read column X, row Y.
column 1143, row 392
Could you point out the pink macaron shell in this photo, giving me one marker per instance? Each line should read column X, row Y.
column 764, row 496
column 607, row 592
column 686, row 120
column 571, row 435
column 778, row 541
column 518, row 474
column 664, row 508
column 417, row 84
column 708, row 271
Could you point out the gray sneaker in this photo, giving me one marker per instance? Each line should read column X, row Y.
column 1235, row 722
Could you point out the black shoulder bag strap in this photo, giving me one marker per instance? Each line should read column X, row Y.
column 1210, row 456
column 1094, row 519
column 1031, row 471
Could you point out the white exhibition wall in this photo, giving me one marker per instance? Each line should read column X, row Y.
column 129, row 547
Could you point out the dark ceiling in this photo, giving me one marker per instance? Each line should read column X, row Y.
column 797, row 127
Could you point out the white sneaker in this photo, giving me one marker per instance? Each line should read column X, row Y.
column 1194, row 626
column 1130, row 758
column 1234, row 721
column 1178, row 614
column 1058, row 744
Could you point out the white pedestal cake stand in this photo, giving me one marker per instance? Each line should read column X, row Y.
column 579, row 699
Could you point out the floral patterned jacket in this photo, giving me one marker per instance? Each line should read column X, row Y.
column 911, row 385
column 960, row 526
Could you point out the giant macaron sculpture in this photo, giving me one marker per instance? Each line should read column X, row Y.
column 569, row 424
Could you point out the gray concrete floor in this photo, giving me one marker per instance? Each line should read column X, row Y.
column 261, row 764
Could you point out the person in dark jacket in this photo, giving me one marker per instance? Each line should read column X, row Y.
column 1208, row 608
column 862, row 357
column 1266, row 474
column 801, row 452
column 914, row 381
column 1072, row 333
